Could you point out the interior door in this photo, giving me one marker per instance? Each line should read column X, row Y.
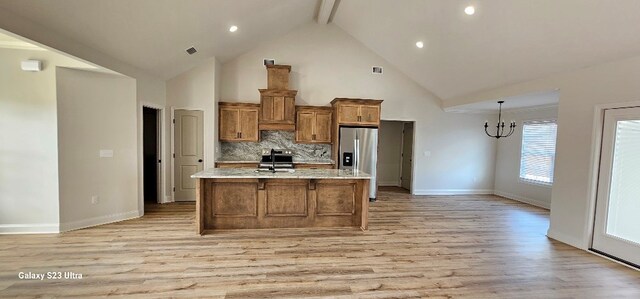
column 189, row 152
column 617, row 223
column 407, row 154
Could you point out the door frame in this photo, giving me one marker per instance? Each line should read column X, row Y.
column 161, row 153
column 173, row 144
column 413, row 153
column 596, row 145
column 413, row 150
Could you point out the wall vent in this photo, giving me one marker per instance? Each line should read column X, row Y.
column 269, row 61
column 376, row 70
column 192, row 50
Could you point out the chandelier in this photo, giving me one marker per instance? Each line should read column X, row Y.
column 500, row 127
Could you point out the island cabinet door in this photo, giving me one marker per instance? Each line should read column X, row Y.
column 338, row 203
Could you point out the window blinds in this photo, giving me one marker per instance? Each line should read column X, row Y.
column 538, row 151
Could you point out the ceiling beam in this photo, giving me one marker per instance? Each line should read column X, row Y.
column 325, row 11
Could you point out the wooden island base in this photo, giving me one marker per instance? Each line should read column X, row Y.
column 248, row 203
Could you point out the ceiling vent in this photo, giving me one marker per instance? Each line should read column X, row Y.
column 192, row 50
column 376, row 70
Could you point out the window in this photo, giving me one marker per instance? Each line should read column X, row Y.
column 538, row 151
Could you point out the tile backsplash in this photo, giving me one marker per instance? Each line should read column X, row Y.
column 250, row 151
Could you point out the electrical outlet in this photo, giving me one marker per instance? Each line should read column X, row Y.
column 95, row 199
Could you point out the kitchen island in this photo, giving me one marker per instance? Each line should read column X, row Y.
column 242, row 198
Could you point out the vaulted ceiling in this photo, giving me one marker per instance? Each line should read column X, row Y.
column 505, row 41
column 154, row 34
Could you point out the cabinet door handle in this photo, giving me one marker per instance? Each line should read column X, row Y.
column 313, row 137
column 240, row 134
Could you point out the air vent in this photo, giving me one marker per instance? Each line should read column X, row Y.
column 268, row 61
column 192, row 50
column 377, row 70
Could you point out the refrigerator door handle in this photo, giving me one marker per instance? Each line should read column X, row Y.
column 356, row 149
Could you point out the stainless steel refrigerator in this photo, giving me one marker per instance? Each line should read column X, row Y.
column 359, row 152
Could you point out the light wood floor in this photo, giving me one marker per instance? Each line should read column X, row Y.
column 448, row 246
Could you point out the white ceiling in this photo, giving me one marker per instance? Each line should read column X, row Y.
column 506, row 41
column 526, row 101
column 154, row 34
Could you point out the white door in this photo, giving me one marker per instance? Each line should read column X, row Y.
column 617, row 223
column 189, row 152
column 407, row 154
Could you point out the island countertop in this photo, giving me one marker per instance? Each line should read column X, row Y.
column 246, row 173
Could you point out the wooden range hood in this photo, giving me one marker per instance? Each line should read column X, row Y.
column 277, row 102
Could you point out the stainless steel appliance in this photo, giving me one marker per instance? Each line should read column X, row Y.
column 276, row 160
column 359, row 152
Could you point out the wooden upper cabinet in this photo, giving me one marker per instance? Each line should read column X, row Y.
column 313, row 124
column 323, row 127
column 357, row 112
column 278, row 76
column 277, row 109
column 238, row 122
column 370, row 114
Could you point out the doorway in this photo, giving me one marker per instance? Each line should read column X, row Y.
column 616, row 232
column 395, row 155
column 151, row 160
column 188, row 144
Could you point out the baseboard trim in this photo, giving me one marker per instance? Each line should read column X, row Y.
column 523, row 199
column 34, row 228
column 100, row 220
column 452, row 191
column 564, row 238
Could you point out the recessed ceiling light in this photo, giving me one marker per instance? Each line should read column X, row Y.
column 233, row 28
column 470, row 10
column 420, row 44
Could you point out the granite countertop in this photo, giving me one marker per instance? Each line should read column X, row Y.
column 244, row 173
column 294, row 161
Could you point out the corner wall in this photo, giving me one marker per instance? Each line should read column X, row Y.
column 196, row 89
column 29, row 143
column 96, row 111
column 582, row 93
column 507, row 181
column 452, row 154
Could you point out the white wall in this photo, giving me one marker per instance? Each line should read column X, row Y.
column 328, row 63
column 149, row 89
column 389, row 153
column 96, row 111
column 581, row 93
column 195, row 89
column 507, row 181
column 28, row 142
